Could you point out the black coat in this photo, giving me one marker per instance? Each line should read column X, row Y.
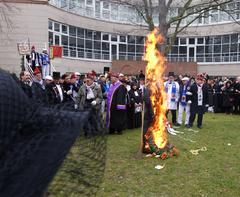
column 39, row 93
column 118, row 117
column 53, row 96
column 194, row 99
column 228, row 96
column 26, row 88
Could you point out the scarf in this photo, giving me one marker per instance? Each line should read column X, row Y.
column 89, row 92
column 200, row 95
column 183, row 98
column 174, row 90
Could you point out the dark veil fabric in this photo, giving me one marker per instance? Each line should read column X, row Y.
column 35, row 140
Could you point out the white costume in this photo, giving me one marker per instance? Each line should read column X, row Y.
column 172, row 97
column 182, row 107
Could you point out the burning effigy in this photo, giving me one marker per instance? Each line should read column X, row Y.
column 155, row 139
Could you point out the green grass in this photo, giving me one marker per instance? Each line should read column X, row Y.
column 215, row 172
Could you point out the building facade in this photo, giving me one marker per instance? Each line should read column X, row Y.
column 93, row 33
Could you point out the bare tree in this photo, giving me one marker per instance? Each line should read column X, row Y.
column 186, row 13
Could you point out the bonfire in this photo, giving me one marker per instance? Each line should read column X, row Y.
column 156, row 138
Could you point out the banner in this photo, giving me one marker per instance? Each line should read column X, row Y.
column 55, row 51
column 24, row 47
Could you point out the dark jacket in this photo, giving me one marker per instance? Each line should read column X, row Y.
column 194, row 99
column 53, row 96
column 26, row 88
column 39, row 93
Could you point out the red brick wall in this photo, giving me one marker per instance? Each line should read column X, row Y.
column 133, row 67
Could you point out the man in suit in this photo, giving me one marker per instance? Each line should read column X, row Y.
column 38, row 88
column 25, row 83
column 198, row 98
column 55, row 94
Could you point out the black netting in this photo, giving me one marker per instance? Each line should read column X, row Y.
column 34, row 141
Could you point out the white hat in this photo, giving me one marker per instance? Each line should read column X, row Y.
column 77, row 73
column 44, row 49
column 185, row 79
column 48, row 78
column 121, row 75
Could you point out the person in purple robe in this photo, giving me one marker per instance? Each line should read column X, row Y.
column 116, row 106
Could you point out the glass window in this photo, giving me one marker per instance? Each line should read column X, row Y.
column 122, row 48
column 50, row 38
column 65, row 40
column 114, row 38
column 72, row 31
column 233, row 48
column 217, row 40
column 105, row 37
column 89, row 34
column 139, row 49
column 176, row 41
column 191, row 40
column 80, row 43
column 73, row 52
column 72, row 41
column 174, row 50
column 97, row 45
column 209, row 40
column 200, row 49
column 131, row 48
column 57, row 27
column 225, row 48
column 105, row 5
column 182, row 50
column 80, row 53
column 217, row 48
column 80, row 32
column 64, row 29
column 208, row 49
column 105, row 46
column 131, row 39
column 139, row 40
column 200, row 40
column 183, row 41
column 97, row 35
column 123, row 39
column 57, row 40
column 88, row 44
column 50, row 25
column 234, row 38
column 225, row 39
column 89, row 2
column 65, row 51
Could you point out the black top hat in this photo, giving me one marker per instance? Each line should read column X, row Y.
column 171, row 74
column 56, row 75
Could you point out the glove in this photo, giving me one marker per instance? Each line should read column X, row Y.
column 189, row 102
column 69, row 92
column 189, row 93
column 94, row 103
column 206, row 105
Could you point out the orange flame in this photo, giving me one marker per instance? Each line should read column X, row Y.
column 154, row 72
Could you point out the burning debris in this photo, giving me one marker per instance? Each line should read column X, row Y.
column 155, row 132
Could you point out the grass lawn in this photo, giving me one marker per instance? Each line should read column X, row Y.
column 215, row 172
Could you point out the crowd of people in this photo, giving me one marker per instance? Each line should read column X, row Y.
column 118, row 99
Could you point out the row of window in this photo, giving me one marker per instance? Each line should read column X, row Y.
column 225, row 48
column 84, row 43
column 123, row 13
